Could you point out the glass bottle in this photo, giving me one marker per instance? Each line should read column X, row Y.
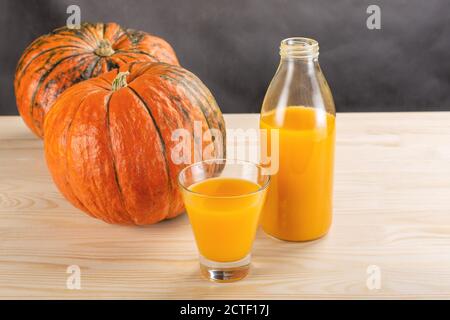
column 299, row 105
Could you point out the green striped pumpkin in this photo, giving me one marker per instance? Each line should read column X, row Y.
column 56, row 61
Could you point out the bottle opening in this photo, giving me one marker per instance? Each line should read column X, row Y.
column 299, row 48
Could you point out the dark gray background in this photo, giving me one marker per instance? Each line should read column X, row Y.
column 233, row 45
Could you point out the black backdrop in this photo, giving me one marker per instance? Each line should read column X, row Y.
column 233, row 45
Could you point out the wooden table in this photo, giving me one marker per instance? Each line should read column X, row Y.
column 392, row 211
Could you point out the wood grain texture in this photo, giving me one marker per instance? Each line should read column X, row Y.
column 392, row 209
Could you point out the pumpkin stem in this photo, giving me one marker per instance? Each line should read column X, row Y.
column 120, row 81
column 104, row 48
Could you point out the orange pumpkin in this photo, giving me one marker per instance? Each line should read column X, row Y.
column 56, row 61
column 108, row 140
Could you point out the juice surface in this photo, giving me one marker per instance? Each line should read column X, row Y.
column 224, row 214
column 299, row 198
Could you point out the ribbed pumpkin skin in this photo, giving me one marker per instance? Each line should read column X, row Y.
column 109, row 152
column 56, row 61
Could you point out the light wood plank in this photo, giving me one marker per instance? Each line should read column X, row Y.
column 392, row 209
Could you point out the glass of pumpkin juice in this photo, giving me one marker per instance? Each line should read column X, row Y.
column 223, row 199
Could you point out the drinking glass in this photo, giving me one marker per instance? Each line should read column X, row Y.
column 223, row 199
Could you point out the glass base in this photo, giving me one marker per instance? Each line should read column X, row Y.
column 225, row 271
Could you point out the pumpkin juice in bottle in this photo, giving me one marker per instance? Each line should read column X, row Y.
column 299, row 105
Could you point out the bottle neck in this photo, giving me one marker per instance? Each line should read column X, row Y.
column 302, row 50
column 299, row 61
column 299, row 80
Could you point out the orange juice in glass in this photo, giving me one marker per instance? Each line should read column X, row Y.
column 299, row 105
column 223, row 199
